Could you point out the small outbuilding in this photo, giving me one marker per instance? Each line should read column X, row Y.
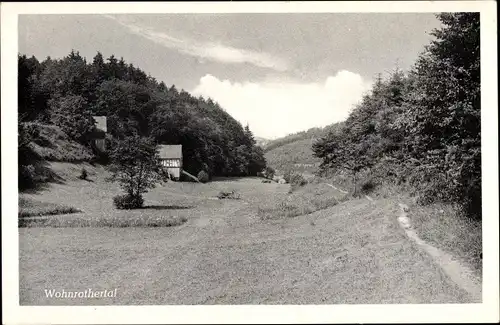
column 171, row 159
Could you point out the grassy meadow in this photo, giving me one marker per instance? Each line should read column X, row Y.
column 223, row 251
column 439, row 223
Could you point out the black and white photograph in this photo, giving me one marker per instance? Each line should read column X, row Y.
column 251, row 157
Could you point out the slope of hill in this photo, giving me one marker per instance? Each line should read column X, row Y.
column 262, row 142
column 66, row 92
column 55, row 145
column 296, row 155
column 294, row 151
column 40, row 143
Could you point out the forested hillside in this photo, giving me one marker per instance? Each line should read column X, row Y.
column 67, row 92
column 421, row 128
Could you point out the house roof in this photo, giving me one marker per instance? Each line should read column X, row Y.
column 170, row 150
column 100, row 123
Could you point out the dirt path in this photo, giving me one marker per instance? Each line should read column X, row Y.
column 458, row 273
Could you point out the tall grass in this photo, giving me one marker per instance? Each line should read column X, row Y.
column 112, row 222
column 302, row 200
column 444, row 225
column 33, row 213
column 34, row 208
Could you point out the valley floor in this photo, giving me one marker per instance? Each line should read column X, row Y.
column 352, row 253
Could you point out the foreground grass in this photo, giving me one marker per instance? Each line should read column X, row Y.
column 302, row 200
column 355, row 253
column 351, row 253
column 441, row 225
column 33, row 208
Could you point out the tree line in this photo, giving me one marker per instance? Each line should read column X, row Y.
column 423, row 127
column 67, row 92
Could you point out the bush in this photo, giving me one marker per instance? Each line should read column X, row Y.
column 294, row 178
column 83, row 174
column 367, row 186
column 203, row 176
column 27, row 157
column 26, row 177
column 287, row 175
column 72, row 114
column 229, row 195
column 283, row 210
column 127, row 202
column 269, row 172
column 297, row 179
column 266, row 181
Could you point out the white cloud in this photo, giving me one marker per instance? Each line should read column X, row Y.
column 207, row 50
column 277, row 109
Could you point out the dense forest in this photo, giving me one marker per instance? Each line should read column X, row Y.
column 421, row 128
column 67, row 92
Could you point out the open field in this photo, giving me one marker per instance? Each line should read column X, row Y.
column 351, row 253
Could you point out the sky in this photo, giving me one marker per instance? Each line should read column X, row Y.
column 278, row 73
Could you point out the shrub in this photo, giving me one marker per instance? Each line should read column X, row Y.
column 112, row 222
column 27, row 157
column 367, row 186
column 269, row 172
column 304, row 200
column 233, row 195
column 297, row 179
column 287, row 175
column 83, row 174
column 203, row 176
column 26, row 176
column 127, row 201
column 283, row 210
column 294, row 178
column 266, row 181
